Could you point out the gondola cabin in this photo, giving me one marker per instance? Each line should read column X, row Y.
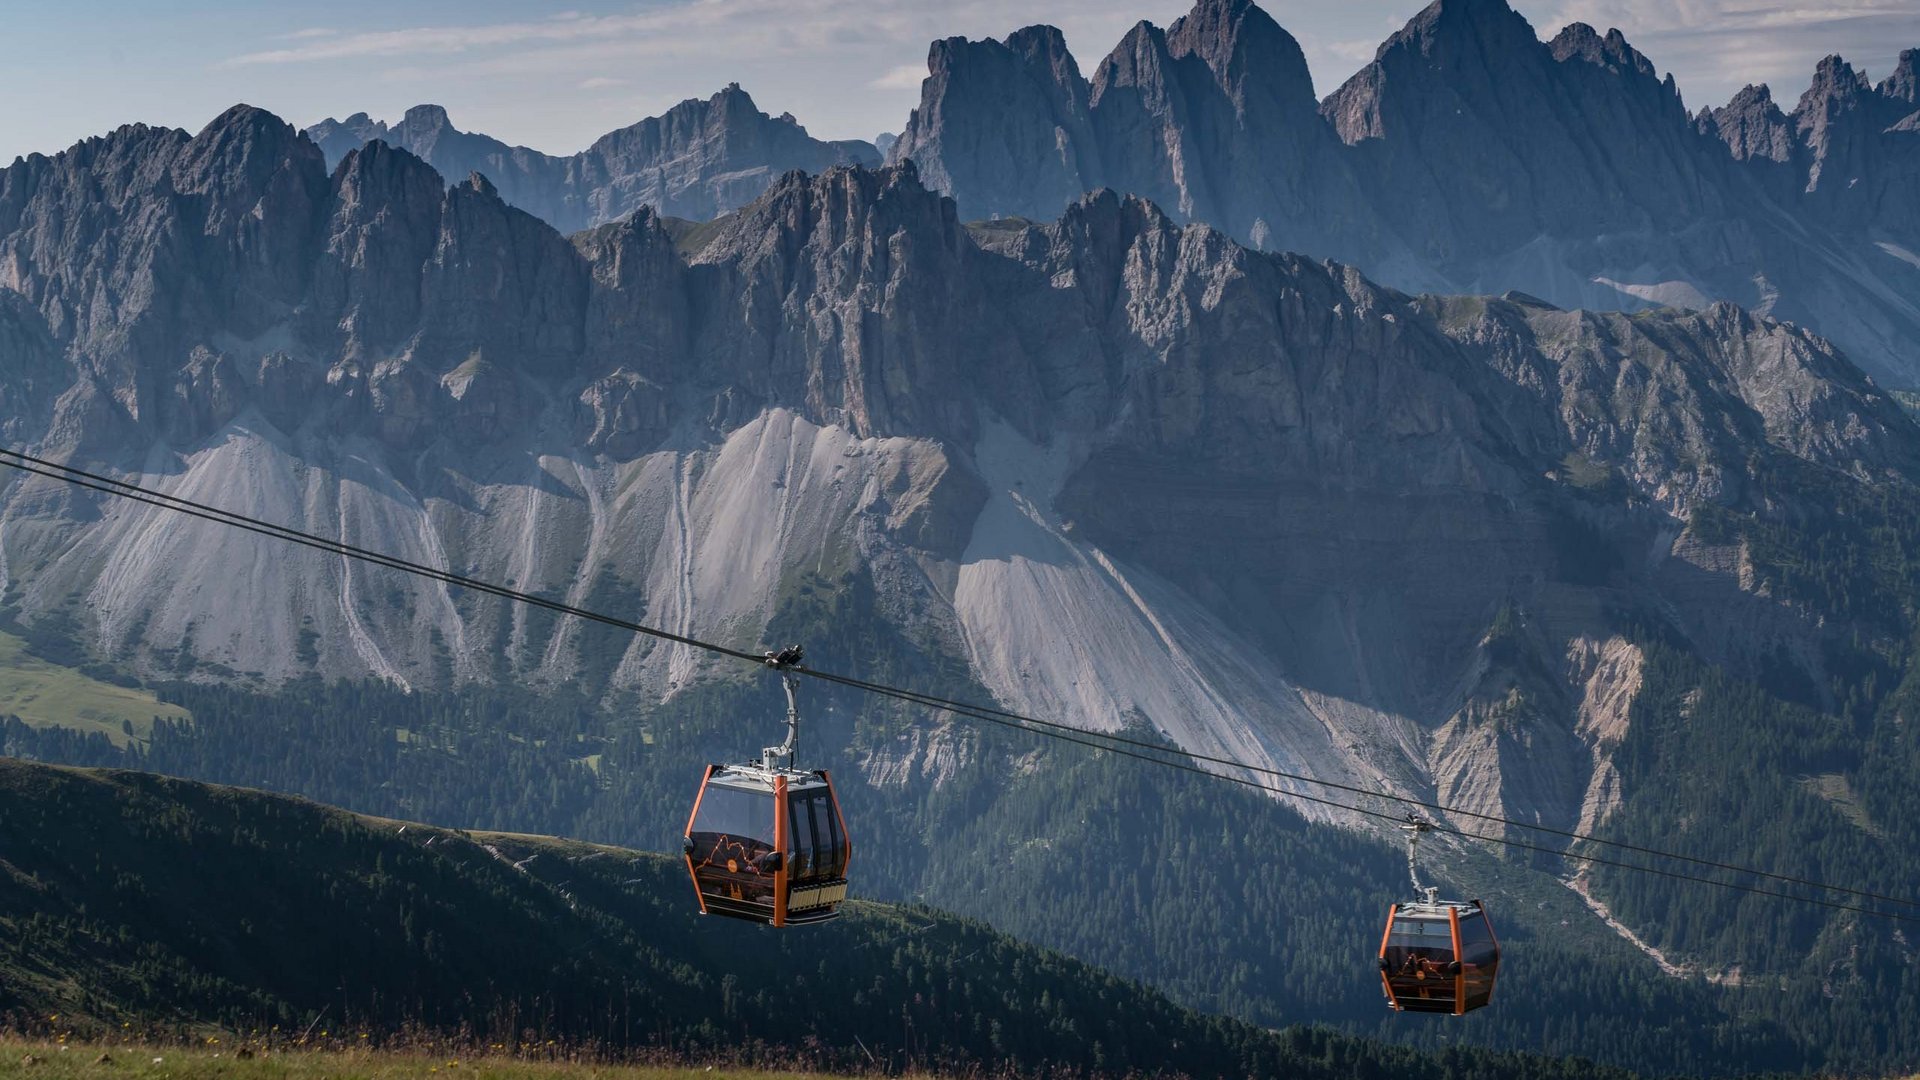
column 766, row 841
column 1438, row 957
column 768, row 845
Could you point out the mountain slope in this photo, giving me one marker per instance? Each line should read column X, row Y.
column 1113, row 467
column 698, row 160
column 223, row 906
column 1468, row 156
column 816, row 389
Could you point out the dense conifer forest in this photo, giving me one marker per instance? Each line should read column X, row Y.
column 141, row 903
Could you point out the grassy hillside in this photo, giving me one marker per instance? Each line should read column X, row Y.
column 45, row 694
column 130, row 901
column 65, row 1060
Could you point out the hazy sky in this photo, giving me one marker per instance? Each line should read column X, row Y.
column 846, row 68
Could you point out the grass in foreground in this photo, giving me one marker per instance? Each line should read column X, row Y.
column 32, row 1059
column 47, row 695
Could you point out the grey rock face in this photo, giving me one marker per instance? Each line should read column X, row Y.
column 1860, row 157
column 1468, row 156
column 33, row 374
column 700, row 159
column 186, row 251
column 1904, row 84
column 1025, row 149
column 338, row 138
column 1476, row 139
column 1753, row 127
column 1213, row 119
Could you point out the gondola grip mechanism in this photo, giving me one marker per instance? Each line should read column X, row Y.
column 1415, row 828
column 785, row 661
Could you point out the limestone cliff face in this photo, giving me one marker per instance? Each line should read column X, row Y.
column 1860, row 149
column 1118, row 464
column 1468, row 156
column 698, row 160
column 1213, row 119
column 1026, row 151
column 1752, row 126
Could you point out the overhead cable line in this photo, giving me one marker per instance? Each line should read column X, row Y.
column 910, row 696
column 1112, row 743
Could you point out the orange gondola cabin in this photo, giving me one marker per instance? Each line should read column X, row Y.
column 1437, row 956
column 766, row 842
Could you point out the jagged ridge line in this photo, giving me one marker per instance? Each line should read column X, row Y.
column 1051, row 729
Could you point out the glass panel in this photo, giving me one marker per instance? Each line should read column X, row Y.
column 800, row 849
column 1417, row 954
column 815, row 825
column 1477, row 947
column 823, row 848
column 1479, row 959
column 732, row 832
column 742, row 815
column 830, row 826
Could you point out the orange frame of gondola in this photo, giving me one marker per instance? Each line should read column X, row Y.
column 780, row 850
column 1385, row 936
column 1460, row 967
column 693, row 875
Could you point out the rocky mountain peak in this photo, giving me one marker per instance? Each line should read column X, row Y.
column 702, row 158
column 1005, row 122
column 480, row 185
column 1452, row 24
column 1242, row 45
column 1139, row 60
column 426, row 117
column 728, row 110
column 1583, row 42
column 239, row 148
column 1904, row 84
column 1480, row 50
column 1626, row 72
column 422, row 130
column 1839, row 120
column 802, row 210
column 338, row 138
column 1837, row 85
column 379, row 172
column 1753, row 126
column 1038, row 49
column 1041, row 42
column 730, row 104
column 1101, row 226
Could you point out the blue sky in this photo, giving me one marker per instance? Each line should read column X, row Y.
column 554, row 79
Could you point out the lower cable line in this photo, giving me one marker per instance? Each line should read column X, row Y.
column 1114, row 743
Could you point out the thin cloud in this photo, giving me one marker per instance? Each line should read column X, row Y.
column 904, row 77
column 1357, row 51
column 425, row 40
column 1718, row 46
column 788, row 26
column 601, row 82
